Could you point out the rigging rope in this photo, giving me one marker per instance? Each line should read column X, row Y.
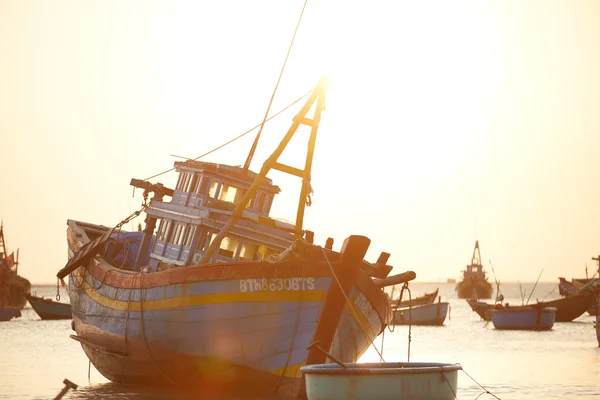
column 485, row 391
column 237, row 137
column 251, row 153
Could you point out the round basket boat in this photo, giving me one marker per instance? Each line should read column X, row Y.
column 396, row 380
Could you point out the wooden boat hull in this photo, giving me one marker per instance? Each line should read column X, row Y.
column 427, row 298
column 478, row 290
column 48, row 309
column 572, row 307
column 383, row 381
column 481, row 308
column 427, row 314
column 238, row 327
column 567, row 308
column 524, row 318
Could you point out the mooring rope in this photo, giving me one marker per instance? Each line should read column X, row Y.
column 143, row 328
column 295, row 332
column 485, row 390
column 236, row 138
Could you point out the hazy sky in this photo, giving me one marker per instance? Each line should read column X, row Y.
column 446, row 122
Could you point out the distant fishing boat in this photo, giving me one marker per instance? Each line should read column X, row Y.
column 567, row 309
column 427, row 298
column 523, row 318
column 474, row 283
column 13, row 287
column 425, row 314
column 225, row 298
column 49, row 309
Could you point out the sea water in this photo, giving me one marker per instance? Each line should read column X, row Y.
column 563, row 363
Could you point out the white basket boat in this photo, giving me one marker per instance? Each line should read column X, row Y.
column 382, row 381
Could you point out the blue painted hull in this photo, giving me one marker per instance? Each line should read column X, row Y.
column 524, row 318
column 231, row 335
column 48, row 309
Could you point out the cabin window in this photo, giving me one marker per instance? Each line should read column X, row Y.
column 166, row 225
column 214, row 186
column 228, row 193
column 249, row 251
column 228, row 246
column 183, row 183
column 268, row 203
column 261, row 202
column 266, row 252
column 193, row 182
column 187, row 242
column 178, row 234
column 203, row 185
column 186, row 184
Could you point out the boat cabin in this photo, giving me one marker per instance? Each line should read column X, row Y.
column 474, row 270
column 202, row 202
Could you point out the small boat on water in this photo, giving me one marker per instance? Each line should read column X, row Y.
column 427, row 298
column 534, row 318
column 49, row 309
column 225, row 298
column 382, row 381
column 13, row 287
column 425, row 314
column 581, row 285
column 474, row 283
column 567, row 308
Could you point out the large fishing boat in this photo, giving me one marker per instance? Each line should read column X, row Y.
column 224, row 298
column 13, row 287
column 474, row 283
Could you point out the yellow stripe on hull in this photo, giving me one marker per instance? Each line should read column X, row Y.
column 205, row 299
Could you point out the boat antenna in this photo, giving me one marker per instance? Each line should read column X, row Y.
column 253, row 148
column 598, row 270
column 2, row 242
column 521, row 293
column 495, row 280
column 536, row 282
